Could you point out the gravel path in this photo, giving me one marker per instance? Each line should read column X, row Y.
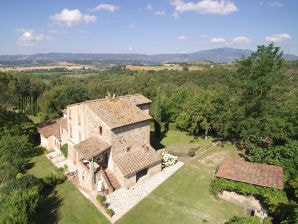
column 122, row 200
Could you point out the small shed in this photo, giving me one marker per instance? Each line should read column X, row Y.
column 253, row 173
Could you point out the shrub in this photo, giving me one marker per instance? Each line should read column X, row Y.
column 109, row 212
column 64, row 150
column 167, row 159
column 191, row 153
column 101, row 199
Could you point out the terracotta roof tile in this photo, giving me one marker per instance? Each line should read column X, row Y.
column 253, row 173
column 136, row 99
column 135, row 159
column 91, row 147
column 117, row 112
column 62, row 122
column 50, row 127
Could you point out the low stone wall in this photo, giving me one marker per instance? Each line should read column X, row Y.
column 248, row 202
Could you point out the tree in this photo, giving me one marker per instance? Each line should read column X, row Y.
column 15, row 150
column 20, row 199
column 171, row 107
column 261, row 79
column 197, row 113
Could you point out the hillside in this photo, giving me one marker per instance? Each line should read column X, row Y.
column 218, row 55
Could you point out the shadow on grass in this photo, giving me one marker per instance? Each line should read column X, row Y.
column 48, row 211
column 155, row 141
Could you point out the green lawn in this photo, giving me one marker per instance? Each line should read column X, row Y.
column 184, row 197
column 177, row 137
column 65, row 204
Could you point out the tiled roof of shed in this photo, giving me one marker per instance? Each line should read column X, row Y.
column 252, row 173
column 50, row 127
column 117, row 112
column 91, row 147
column 135, row 159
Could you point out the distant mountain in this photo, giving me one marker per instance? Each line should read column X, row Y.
column 219, row 55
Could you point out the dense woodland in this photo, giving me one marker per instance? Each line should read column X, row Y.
column 252, row 102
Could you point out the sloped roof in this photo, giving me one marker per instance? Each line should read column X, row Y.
column 91, row 147
column 117, row 112
column 51, row 127
column 62, row 122
column 252, row 173
column 135, row 159
column 137, row 99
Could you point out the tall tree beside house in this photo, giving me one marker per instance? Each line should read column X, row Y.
column 261, row 81
column 268, row 132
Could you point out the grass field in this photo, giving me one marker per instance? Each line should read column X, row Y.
column 65, row 204
column 184, row 197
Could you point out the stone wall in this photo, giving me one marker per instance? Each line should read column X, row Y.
column 85, row 176
column 134, row 135
column 92, row 124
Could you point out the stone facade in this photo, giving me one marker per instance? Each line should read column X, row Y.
column 108, row 141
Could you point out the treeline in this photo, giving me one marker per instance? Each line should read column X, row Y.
column 21, row 194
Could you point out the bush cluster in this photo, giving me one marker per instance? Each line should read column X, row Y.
column 191, row 153
column 102, row 201
column 269, row 196
column 167, row 159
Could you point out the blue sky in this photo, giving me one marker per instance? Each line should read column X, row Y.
column 146, row 27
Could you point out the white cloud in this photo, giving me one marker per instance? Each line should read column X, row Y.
column 240, row 40
column 160, row 13
column 149, row 7
column 278, row 37
column 72, row 17
column 28, row 38
column 222, row 7
column 108, row 7
column 275, row 4
column 271, row 4
column 218, row 40
column 182, row 37
column 89, row 19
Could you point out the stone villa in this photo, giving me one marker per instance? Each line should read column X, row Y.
column 108, row 141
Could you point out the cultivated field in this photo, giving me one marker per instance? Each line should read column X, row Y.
column 197, row 66
column 60, row 65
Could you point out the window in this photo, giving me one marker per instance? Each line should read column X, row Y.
column 69, row 114
column 100, row 130
column 79, row 119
